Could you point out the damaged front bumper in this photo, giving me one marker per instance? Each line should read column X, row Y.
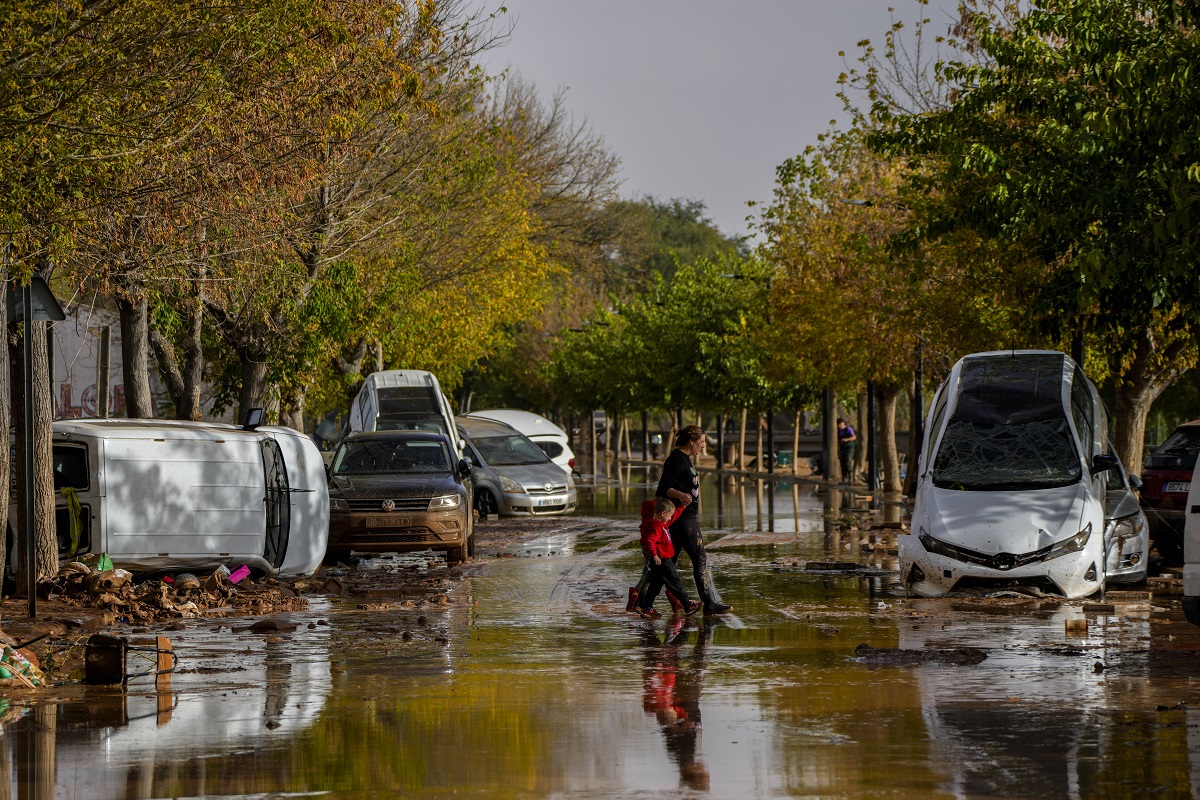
column 931, row 568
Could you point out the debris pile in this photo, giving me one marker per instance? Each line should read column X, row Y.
column 168, row 597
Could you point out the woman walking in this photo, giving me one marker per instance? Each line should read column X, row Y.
column 681, row 484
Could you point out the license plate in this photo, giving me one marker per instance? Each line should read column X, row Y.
column 388, row 522
column 1177, row 487
column 552, row 501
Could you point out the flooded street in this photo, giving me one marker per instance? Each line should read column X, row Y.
column 534, row 682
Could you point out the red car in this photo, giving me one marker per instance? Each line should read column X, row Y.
column 1165, row 484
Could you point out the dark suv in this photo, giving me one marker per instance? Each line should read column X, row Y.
column 1165, row 484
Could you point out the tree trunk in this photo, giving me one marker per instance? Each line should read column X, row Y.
column 135, row 357
column 886, row 419
column 1137, row 389
column 797, row 421
column 45, row 543
column 864, row 436
column 254, row 385
column 833, row 470
column 758, row 442
column 5, row 395
column 741, row 453
column 291, row 409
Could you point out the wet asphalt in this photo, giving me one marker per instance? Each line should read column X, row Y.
column 534, row 682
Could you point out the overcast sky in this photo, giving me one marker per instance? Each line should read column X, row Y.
column 701, row 99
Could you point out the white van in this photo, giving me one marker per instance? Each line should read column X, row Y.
column 1012, row 476
column 1191, row 552
column 157, row 494
column 403, row 400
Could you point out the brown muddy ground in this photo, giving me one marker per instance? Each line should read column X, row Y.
column 69, row 612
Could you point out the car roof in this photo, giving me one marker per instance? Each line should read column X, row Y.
column 526, row 422
column 396, row 435
column 476, row 427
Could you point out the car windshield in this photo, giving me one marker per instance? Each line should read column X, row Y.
column 390, row 456
column 509, row 451
column 981, row 456
column 1178, row 451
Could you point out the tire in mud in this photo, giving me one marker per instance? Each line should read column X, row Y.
column 485, row 503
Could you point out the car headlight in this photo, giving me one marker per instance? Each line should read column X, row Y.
column 509, row 485
column 570, row 482
column 338, row 504
column 1072, row 545
column 445, row 501
column 1128, row 527
column 940, row 548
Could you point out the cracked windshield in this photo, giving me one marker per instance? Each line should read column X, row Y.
column 413, row 400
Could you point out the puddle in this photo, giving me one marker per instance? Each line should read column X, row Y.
column 536, row 683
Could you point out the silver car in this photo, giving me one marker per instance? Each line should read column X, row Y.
column 512, row 476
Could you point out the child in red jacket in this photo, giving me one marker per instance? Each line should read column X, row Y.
column 657, row 516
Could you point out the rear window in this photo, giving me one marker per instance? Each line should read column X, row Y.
column 409, row 408
column 551, row 449
column 1177, row 452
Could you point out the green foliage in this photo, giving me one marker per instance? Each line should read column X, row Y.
column 1077, row 132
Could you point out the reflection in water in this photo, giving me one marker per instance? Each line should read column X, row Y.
column 672, row 684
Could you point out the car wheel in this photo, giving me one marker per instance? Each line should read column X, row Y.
column 334, row 557
column 485, row 503
column 1170, row 548
column 456, row 556
column 471, row 546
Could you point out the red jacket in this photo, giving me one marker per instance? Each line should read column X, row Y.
column 656, row 541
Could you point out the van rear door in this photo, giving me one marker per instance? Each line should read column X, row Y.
column 1191, row 553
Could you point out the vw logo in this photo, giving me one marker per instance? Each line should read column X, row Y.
column 548, row 487
column 389, row 505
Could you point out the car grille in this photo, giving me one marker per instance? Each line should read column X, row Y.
column 541, row 491
column 549, row 509
column 402, row 503
column 381, row 536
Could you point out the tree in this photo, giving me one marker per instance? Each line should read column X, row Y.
column 1075, row 133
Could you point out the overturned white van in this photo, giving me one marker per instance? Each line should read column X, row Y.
column 164, row 495
column 1011, row 480
column 403, row 400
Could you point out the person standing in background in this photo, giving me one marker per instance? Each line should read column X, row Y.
column 847, row 443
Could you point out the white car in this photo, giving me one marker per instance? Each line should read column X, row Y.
column 552, row 439
column 1012, row 480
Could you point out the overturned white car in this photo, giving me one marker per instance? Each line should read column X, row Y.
column 1012, row 481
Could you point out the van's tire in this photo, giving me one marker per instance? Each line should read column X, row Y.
column 485, row 503
column 471, row 545
column 457, row 556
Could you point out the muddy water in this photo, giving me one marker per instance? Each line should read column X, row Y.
column 546, row 688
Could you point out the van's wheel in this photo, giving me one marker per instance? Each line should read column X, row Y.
column 471, row 545
column 485, row 504
column 457, row 555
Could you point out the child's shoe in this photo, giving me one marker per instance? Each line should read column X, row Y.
column 692, row 607
column 631, row 606
column 676, row 603
column 648, row 613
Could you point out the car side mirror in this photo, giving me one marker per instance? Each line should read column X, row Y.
column 464, row 468
column 254, row 418
column 1102, row 462
column 1135, row 482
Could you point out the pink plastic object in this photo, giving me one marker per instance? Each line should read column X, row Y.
column 239, row 574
